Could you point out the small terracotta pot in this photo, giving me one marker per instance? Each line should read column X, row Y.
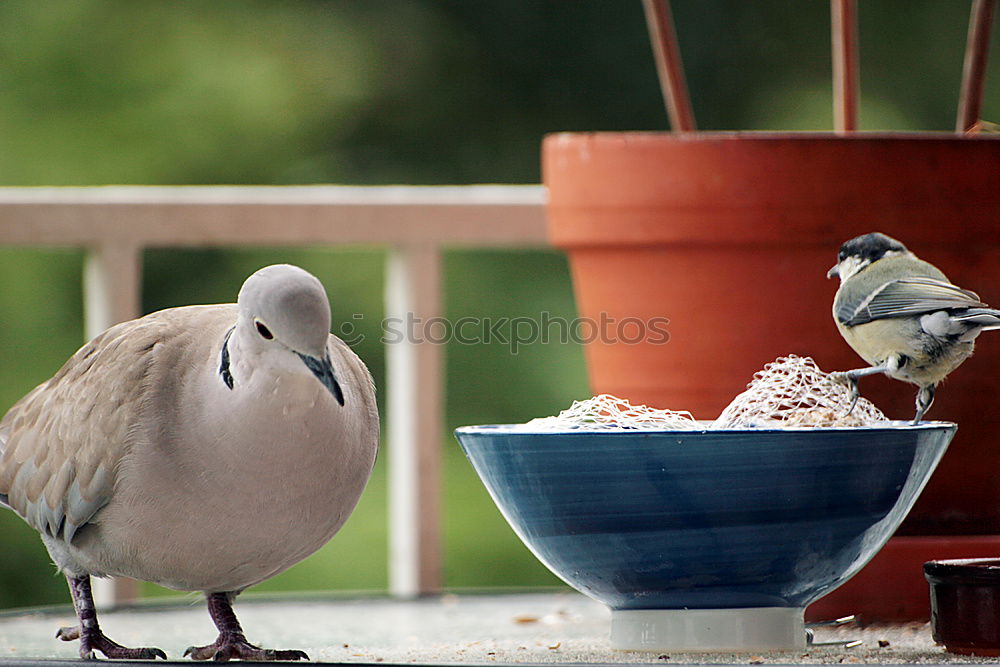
column 892, row 587
column 729, row 237
column 965, row 604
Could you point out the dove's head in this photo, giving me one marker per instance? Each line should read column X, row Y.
column 287, row 306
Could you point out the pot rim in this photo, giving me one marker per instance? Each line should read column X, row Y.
column 964, row 571
column 760, row 136
column 613, row 190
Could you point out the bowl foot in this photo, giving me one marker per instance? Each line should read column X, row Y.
column 750, row 629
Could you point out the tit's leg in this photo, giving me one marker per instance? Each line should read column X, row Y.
column 925, row 397
column 89, row 632
column 231, row 642
column 852, row 377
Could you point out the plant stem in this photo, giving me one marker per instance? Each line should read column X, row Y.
column 668, row 65
column 977, row 48
column 844, row 25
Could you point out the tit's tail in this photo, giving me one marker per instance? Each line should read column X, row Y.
column 984, row 319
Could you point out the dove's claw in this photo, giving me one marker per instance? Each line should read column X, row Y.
column 232, row 644
column 93, row 641
column 225, row 649
column 89, row 633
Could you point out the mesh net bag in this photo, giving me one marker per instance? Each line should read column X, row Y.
column 793, row 391
column 606, row 412
column 788, row 392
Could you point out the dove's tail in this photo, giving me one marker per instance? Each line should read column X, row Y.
column 4, row 434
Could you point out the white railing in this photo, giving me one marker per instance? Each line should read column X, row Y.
column 415, row 223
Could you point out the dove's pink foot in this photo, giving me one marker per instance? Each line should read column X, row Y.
column 89, row 632
column 232, row 644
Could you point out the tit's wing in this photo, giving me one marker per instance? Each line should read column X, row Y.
column 907, row 297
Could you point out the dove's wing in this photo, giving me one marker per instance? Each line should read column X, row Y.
column 61, row 445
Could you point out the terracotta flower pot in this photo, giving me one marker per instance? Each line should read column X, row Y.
column 729, row 237
column 965, row 604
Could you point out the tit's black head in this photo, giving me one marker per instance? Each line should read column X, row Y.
column 871, row 247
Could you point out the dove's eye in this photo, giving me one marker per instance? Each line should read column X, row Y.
column 264, row 332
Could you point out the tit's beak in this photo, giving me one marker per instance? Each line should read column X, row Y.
column 834, row 271
column 323, row 370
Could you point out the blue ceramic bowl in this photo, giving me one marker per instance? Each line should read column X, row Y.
column 706, row 519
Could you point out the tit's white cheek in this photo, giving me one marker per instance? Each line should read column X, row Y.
column 849, row 266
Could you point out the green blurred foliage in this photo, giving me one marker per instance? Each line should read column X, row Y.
column 395, row 91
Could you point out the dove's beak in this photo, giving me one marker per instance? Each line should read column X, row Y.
column 323, row 370
column 834, row 271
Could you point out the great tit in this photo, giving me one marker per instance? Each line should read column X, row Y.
column 903, row 316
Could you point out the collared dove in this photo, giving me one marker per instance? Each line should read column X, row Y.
column 203, row 448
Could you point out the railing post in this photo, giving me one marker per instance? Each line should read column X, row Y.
column 415, row 418
column 112, row 285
